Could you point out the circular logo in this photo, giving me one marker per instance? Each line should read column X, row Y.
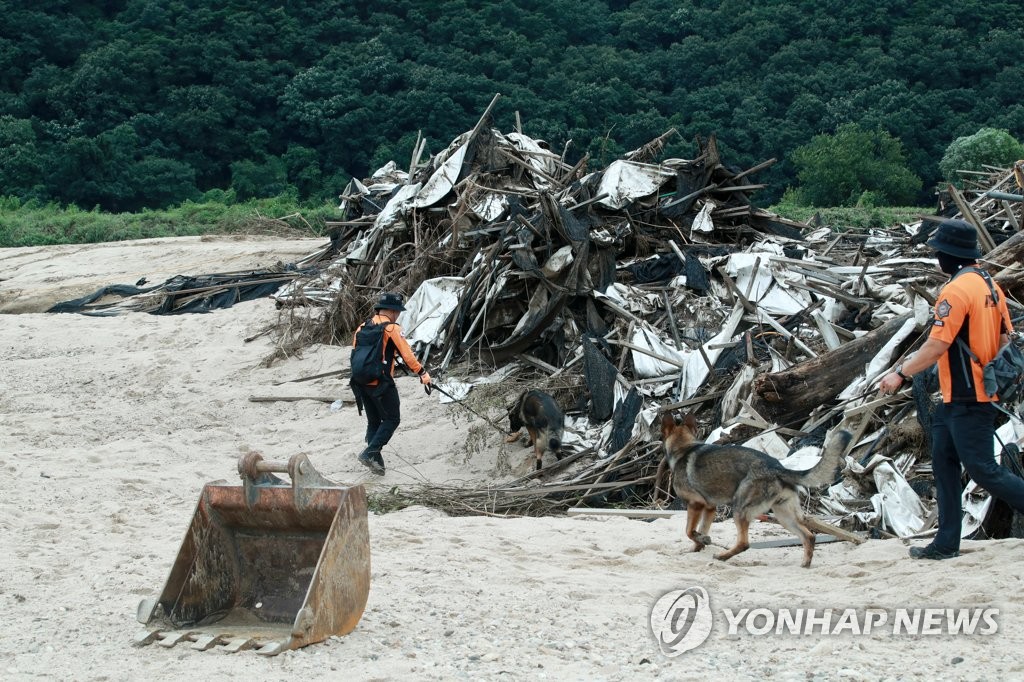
column 681, row 620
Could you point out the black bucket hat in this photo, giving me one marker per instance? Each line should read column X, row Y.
column 956, row 238
column 390, row 301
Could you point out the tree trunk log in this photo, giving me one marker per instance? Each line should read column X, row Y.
column 1011, row 254
column 790, row 395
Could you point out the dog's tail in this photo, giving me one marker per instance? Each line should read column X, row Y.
column 824, row 471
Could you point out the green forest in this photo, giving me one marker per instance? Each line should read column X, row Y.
column 128, row 105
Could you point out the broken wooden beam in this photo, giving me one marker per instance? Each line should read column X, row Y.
column 790, row 395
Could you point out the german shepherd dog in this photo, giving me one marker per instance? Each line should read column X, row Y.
column 750, row 481
column 544, row 422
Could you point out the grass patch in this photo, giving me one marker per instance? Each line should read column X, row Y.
column 34, row 224
column 843, row 218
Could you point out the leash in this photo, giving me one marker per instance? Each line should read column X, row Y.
column 435, row 387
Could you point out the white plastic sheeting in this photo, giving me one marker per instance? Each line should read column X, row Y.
column 882, row 361
column 738, row 390
column 802, row 459
column 703, row 222
column 559, row 259
column 632, row 299
column 394, row 212
column 444, row 177
column 767, row 285
column 453, row 390
column 428, row 308
column 647, row 366
column 626, row 181
column 895, row 506
column 696, row 370
column 770, row 443
column 490, row 206
column 360, row 189
column 536, row 157
column 441, row 180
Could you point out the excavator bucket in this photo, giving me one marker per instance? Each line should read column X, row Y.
column 266, row 565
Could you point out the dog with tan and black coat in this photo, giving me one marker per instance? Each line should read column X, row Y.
column 751, row 482
column 544, row 422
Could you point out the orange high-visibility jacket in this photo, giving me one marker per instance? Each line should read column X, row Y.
column 965, row 309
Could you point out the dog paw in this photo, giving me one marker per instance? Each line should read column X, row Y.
column 697, row 547
column 702, row 539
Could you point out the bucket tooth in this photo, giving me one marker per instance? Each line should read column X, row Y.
column 146, row 637
column 266, row 564
column 206, row 642
column 171, row 638
column 239, row 644
column 273, row 648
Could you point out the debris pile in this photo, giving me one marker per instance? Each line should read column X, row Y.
column 652, row 286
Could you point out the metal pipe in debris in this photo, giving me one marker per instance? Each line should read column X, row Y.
column 995, row 194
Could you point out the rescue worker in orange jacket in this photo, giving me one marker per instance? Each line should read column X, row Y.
column 380, row 398
column 963, row 426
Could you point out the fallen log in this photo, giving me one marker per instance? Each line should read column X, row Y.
column 791, row 394
column 1005, row 261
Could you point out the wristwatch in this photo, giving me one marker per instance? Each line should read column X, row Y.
column 899, row 370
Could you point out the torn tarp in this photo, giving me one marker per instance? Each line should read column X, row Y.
column 626, row 181
column 181, row 294
column 427, row 310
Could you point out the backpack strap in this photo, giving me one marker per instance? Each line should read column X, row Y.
column 992, row 292
column 995, row 298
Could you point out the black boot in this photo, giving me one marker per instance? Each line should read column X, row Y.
column 372, row 460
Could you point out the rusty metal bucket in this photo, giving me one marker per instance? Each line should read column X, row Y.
column 266, row 565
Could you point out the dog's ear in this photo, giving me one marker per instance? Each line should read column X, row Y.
column 690, row 422
column 668, row 422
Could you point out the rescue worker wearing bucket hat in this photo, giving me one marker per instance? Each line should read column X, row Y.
column 964, row 422
column 379, row 398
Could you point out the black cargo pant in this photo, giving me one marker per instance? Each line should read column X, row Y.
column 962, row 433
column 383, row 412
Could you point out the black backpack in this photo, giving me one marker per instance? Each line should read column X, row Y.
column 369, row 361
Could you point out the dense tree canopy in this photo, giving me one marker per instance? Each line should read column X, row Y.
column 128, row 104
column 988, row 146
column 845, row 168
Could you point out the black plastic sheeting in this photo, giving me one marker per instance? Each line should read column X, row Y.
column 225, row 291
column 604, row 270
column 81, row 305
column 600, row 376
column 623, row 420
column 658, row 269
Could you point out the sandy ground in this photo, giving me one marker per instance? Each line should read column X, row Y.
column 109, row 427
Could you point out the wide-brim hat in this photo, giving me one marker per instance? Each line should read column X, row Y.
column 390, row 301
column 956, row 238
